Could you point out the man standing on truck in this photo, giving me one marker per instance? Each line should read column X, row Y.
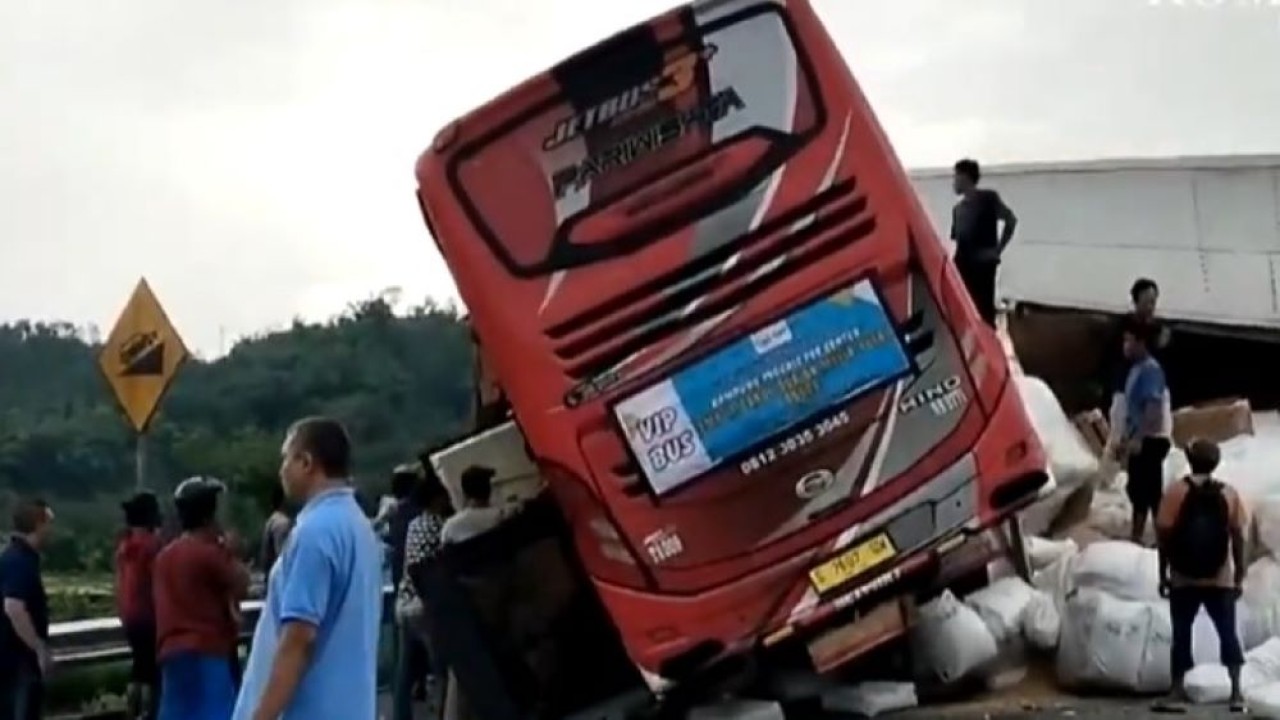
column 981, row 227
column 1148, row 426
column 1202, row 564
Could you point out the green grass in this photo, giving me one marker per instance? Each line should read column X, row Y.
column 75, row 596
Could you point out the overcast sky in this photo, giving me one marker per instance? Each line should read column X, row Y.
column 254, row 159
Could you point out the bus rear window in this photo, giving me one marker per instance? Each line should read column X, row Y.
column 659, row 124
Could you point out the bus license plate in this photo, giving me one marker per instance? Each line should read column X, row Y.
column 851, row 563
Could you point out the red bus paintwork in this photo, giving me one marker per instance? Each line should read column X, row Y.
column 604, row 226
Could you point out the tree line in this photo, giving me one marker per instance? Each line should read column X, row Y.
column 399, row 381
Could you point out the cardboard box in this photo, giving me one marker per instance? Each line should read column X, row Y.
column 1216, row 420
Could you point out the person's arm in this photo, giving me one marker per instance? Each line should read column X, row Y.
column 1007, row 219
column 17, row 587
column 304, row 604
column 1238, row 525
column 233, row 575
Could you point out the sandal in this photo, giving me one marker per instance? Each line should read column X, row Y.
column 1237, row 707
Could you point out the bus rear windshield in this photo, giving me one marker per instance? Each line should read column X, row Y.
column 658, row 125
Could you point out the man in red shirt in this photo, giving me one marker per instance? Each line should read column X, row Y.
column 135, row 561
column 198, row 581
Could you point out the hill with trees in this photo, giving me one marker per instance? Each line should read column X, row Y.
column 400, row 382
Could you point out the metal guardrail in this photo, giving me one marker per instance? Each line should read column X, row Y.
column 96, row 641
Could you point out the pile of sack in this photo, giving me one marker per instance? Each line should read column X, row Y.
column 1113, row 629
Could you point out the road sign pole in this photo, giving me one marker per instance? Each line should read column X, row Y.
column 140, row 460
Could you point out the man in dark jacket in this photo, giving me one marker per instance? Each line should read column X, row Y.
column 982, row 227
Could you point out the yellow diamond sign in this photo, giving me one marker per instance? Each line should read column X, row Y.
column 141, row 356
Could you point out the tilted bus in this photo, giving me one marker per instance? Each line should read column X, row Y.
column 738, row 352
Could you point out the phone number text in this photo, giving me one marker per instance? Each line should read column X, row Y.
column 793, row 443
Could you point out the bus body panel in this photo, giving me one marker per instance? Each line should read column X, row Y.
column 724, row 324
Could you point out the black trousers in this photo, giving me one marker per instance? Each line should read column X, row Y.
column 980, row 280
column 1146, row 474
column 21, row 691
column 1220, row 605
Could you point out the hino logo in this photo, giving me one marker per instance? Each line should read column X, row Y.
column 942, row 398
column 814, row 484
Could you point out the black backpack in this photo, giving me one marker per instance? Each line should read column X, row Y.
column 1201, row 538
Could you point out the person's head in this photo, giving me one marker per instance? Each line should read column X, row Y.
column 316, row 452
column 196, row 503
column 32, row 520
column 1203, row 456
column 141, row 512
column 1145, row 294
column 477, row 485
column 966, row 176
column 429, row 492
column 1138, row 339
column 403, row 480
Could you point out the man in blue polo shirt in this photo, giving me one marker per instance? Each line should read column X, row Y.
column 314, row 654
column 24, row 624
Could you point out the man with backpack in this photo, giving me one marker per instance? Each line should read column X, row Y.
column 1200, row 525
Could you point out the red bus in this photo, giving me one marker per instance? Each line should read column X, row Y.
column 732, row 339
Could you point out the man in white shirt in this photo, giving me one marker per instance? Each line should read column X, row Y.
column 476, row 516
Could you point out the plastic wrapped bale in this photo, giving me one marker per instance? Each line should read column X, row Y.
column 1042, row 553
column 1209, row 682
column 1071, row 463
column 1116, row 644
column 950, row 641
column 1001, row 606
column 1264, row 701
column 1125, row 570
column 1057, row 580
column 1070, row 459
column 1042, row 621
column 1266, row 520
column 1260, row 603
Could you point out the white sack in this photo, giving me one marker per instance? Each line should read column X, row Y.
column 1111, row 513
column 1260, row 603
column 1264, row 701
column 1155, row 673
column 1042, row 553
column 1211, row 685
column 1001, row 606
column 1069, row 458
column 1264, row 661
column 1111, row 643
column 1208, row 684
column 1120, row 568
column 1266, row 517
column 1042, row 622
column 950, row 640
column 870, row 699
column 1057, row 580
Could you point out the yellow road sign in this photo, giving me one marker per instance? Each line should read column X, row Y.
column 141, row 357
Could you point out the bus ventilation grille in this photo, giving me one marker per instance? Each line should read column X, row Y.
column 603, row 336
